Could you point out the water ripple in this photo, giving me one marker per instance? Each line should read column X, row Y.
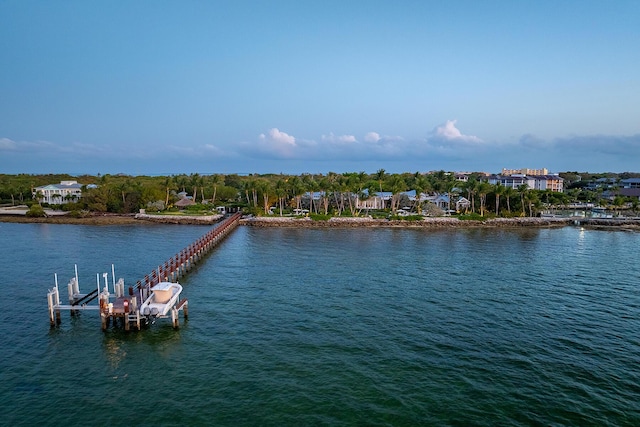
column 335, row 327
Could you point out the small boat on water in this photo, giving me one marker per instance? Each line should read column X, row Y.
column 163, row 298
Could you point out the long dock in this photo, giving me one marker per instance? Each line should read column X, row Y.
column 126, row 308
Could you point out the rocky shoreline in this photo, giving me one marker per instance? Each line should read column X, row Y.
column 425, row 223
column 336, row 222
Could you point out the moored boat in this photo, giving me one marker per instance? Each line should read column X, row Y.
column 163, row 298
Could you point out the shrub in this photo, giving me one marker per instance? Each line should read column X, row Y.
column 36, row 211
column 319, row 217
column 471, row 217
column 79, row 214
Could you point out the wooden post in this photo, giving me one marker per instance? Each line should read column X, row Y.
column 52, row 319
column 174, row 318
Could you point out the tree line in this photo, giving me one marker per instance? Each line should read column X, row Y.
column 335, row 193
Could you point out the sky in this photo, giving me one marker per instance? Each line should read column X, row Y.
column 169, row 87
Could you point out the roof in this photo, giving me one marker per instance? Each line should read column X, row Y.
column 629, row 192
column 64, row 185
column 184, row 202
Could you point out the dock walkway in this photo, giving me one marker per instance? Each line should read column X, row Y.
column 118, row 307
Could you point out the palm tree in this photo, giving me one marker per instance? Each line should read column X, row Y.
column 420, row 185
column 246, row 186
column 618, row 202
column 509, row 192
column 498, row 189
column 483, row 189
column 338, row 188
column 324, row 184
column 195, row 181
column 215, row 180
column 265, row 188
column 123, row 187
column 532, row 198
column 523, row 189
column 281, row 192
column 297, row 190
column 181, row 181
column 169, row 184
column 38, row 196
column 311, row 187
column 380, row 177
column 472, row 188
column 449, row 184
column 398, row 185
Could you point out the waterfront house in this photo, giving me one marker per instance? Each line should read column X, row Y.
column 630, row 183
column 377, row 200
column 58, row 194
column 462, row 204
column 630, row 192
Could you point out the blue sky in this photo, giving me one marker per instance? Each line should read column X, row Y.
column 167, row 87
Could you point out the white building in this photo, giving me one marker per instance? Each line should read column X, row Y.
column 525, row 171
column 58, row 194
column 533, row 182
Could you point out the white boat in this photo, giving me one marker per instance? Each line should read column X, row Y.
column 163, row 298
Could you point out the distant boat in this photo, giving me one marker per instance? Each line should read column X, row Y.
column 600, row 212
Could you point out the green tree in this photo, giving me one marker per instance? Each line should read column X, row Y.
column 421, row 185
column 498, row 190
column 398, row 185
column 216, row 180
column 169, row 184
column 472, row 188
column 483, row 190
column 523, row 190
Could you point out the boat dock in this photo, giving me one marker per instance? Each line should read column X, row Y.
column 153, row 297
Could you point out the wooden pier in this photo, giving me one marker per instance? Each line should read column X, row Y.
column 125, row 308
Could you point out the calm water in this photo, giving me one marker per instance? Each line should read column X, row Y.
column 331, row 327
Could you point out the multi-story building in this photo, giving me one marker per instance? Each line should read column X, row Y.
column 533, row 182
column 58, row 194
column 630, row 183
column 524, row 171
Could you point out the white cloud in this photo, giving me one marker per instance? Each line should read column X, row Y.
column 7, row 144
column 275, row 143
column 213, row 149
column 449, row 132
column 372, row 137
column 278, row 137
column 342, row 138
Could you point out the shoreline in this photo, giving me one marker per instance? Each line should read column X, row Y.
column 336, row 222
column 442, row 222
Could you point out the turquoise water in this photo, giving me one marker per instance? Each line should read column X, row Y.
column 331, row 327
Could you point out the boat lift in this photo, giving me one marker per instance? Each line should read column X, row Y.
column 117, row 306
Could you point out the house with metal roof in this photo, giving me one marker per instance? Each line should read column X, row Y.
column 58, row 194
